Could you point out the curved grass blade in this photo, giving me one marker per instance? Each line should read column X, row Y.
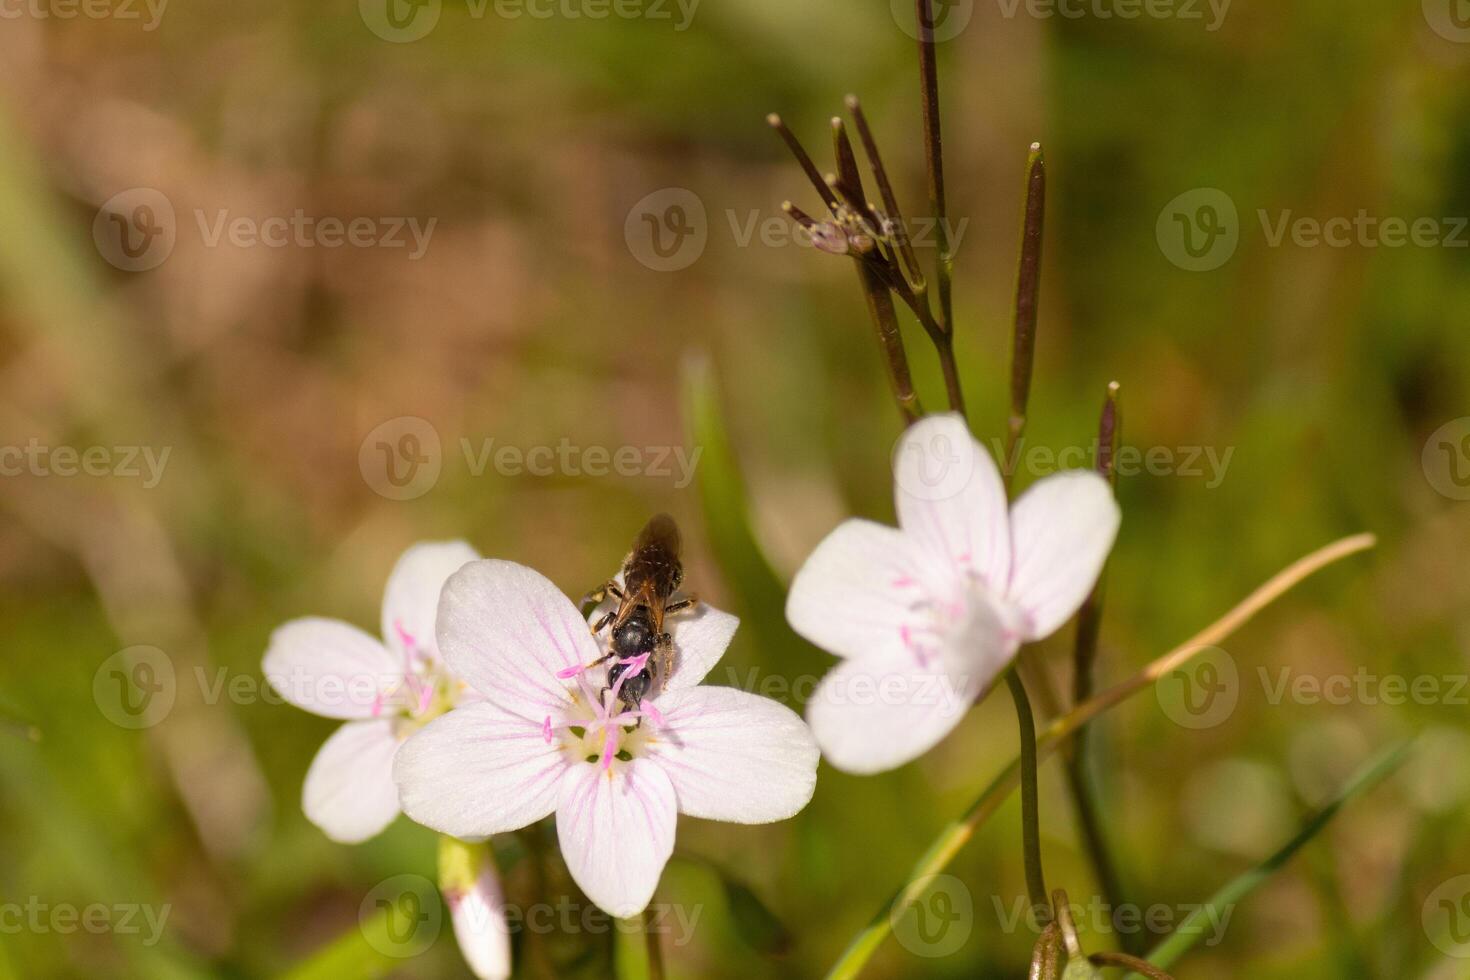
column 1375, row 771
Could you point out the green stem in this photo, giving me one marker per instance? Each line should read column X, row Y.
column 1030, row 818
column 655, row 947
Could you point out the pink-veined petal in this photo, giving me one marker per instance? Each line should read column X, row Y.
column 856, row 590
column 734, row 756
column 616, row 829
column 507, row 630
column 479, row 770
column 1062, row 529
column 330, row 668
column 701, row 636
column 349, row 791
column 872, row 714
column 950, row 498
column 411, row 598
column 480, row 928
column 869, row 715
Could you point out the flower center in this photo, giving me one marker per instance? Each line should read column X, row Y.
column 941, row 623
column 597, row 728
column 422, row 691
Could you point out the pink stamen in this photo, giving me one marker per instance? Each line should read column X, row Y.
column 608, row 746
column 567, row 672
column 377, row 704
column 546, row 729
column 903, row 582
column 646, row 706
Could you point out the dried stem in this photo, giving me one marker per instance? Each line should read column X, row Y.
column 913, row 271
column 1028, row 282
column 1046, row 953
column 1129, row 962
column 890, row 341
column 810, row 169
column 1084, row 655
column 934, row 154
column 1062, row 906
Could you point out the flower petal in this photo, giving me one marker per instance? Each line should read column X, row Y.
column 477, row 771
column 733, row 755
column 349, row 791
column 507, row 631
column 950, row 498
column 854, row 593
column 1061, row 532
column 480, row 927
column 701, row 636
column 870, row 716
column 411, row 598
column 616, row 828
column 330, row 668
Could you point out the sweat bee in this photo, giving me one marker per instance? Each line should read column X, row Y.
column 641, row 650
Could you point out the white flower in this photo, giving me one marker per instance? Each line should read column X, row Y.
column 545, row 740
column 928, row 615
column 385, row 688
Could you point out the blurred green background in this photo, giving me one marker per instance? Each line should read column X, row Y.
column 534, row 317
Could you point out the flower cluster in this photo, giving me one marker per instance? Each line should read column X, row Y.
column 489, row 705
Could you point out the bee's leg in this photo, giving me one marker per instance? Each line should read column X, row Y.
column 597, row 595
column 603, row 620
column 681, row 603
column 665, row 649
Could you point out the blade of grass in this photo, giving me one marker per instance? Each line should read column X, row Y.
column 1375, row 771
column 351, row 954
column 958, row 832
